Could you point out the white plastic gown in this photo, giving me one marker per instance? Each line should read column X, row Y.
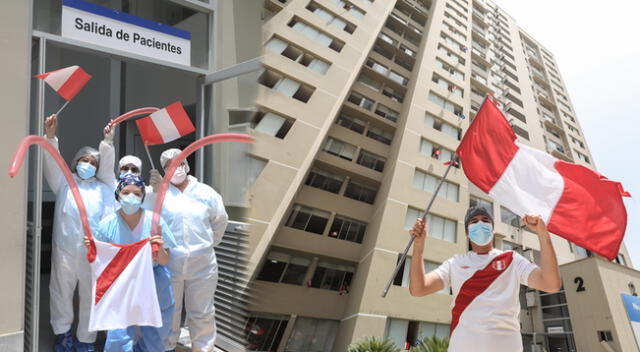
column 69, row 265
column 198, row 219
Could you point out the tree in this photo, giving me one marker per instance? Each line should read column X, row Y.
column 373, row 344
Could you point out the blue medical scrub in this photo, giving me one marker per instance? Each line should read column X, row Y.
column 114, row 229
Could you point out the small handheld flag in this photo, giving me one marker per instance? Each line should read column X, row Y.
column 67, row 82
column 165, row 125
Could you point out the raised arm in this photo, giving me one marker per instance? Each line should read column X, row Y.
column 106, row 171
column 421, row 284
column 547, row 276
column 52, row 173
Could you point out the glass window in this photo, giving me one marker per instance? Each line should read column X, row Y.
column 340, row 149
column 285, row 268
column 355, row 124
column 324, row 180
column 428, row 182
column 264, row 331
column 371, row 161
column 474, row 202
column 312, row 335
column 347, row 229
column 308, row 219
column 358, row 191
column 270, row 124
column 332, row 276
column 508, row 217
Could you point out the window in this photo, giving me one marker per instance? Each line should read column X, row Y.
column 439, row 227
column 330, row 18
column 477, row 202
column 520, row 131
column 339, row 148
column 447, row 85
column 353, row 9
column 324, row 180
column 370, row 82
column 316, row 35
column 445, row 104
column 508, row 217
column 347, row 229
column 581, row 252
column 402, row 277
column 358, row 191
column 286, row 86
column 435, row 151
column 273, row 124
column 297, row 55
column 582, row 156
column 387, row 113
column 312, row 335
column 361, row 101
column 403, row 332
column 391, row 93
column 620, row 259
column 380, row 135
column 398, row 78
column 264, row 331
column 450, row 54
column 284, row 268
column 332, row 276
column 605, row 336
column 308, row 219
column 445, row 66
column 355, row 124
column 371, row 161
column 442, row 126
column 573, row 129
column 427, row 182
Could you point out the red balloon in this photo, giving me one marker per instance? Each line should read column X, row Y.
column 17, row 161
column 135, row 112
column 177, row 161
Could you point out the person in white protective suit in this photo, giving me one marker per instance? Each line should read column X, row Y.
column 196, row 215
column 69, row 265
column 130, row 164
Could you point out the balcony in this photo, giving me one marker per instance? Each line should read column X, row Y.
column 477, row 15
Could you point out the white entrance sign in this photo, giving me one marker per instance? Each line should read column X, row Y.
column 103, row 26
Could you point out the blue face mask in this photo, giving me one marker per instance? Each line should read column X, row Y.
column 130, row 203
column 85, row 170
column 480, row 233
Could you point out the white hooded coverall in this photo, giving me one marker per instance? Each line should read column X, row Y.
column 69, row 265
column 198, row 219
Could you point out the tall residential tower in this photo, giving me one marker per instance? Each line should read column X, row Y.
column 360, row 104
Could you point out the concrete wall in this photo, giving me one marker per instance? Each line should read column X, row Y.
column 15, row 41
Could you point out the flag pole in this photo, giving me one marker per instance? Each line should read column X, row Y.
column 453, row 161
column 63, row 106
column 146, row 148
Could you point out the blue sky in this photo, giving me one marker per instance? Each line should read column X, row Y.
column 597, row 47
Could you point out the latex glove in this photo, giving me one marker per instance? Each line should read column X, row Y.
column 155, row 180
column 109, row 132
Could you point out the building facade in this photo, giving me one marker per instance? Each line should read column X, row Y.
column 223, row 34
column 360, row 104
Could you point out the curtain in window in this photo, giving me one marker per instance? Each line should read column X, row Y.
column 270, row 124
column 287, row 86
column 276, row 45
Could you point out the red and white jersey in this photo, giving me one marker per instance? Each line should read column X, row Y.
column 485, row 308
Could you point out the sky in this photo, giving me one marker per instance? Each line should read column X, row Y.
column 597, row 48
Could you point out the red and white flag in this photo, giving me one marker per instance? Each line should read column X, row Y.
column 165, row 125
column 124, row 287
column 67, row 82
column 575, row 202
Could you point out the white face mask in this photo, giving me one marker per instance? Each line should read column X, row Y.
column 179, row 176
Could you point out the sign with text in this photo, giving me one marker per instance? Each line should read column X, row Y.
column 632, row 304
column 100, row 25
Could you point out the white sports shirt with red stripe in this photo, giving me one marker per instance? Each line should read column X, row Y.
column 485, row 308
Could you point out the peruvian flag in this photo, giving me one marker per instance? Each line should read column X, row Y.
column 165, row 125
column 575, row 202
column 67, row 81
column 124, row 287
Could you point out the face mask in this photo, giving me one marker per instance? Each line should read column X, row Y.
column 130, row 203
column 128, row 172
column 480, row 233
column 179, row 176
column 85, row 170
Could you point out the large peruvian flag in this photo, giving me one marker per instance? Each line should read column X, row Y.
column 67, row 82
column 124, row 287
column 575, row 202
column 165, row 125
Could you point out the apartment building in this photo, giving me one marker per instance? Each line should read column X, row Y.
column 360, row 104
